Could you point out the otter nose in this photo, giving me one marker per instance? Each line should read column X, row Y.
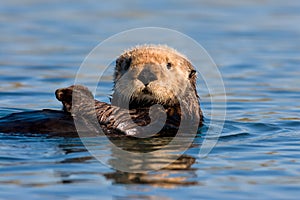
column 146, row 76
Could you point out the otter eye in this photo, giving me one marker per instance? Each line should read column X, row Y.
column 192, row 73
column 169, row 65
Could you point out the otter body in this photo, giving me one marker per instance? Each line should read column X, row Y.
column 145, row 76
column 54, row 122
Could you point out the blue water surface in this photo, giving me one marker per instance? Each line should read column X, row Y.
column 256, row 46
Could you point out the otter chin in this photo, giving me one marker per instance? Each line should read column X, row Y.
column 148, row 95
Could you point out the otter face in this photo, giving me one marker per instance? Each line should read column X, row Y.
column 148, row 75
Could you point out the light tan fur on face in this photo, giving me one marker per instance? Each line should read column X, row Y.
column 174, row 75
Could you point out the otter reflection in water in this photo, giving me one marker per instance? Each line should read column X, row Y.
column 177, row 172
column 145, row 76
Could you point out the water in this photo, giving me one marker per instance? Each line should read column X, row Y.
column 256, row 46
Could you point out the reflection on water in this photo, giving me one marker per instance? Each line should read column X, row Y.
column 176, row 172
column 254, row 43
column 171, row 176
column 70, row 152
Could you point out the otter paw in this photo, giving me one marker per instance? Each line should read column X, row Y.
column 65, row 95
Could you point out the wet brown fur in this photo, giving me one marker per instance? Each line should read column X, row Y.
column 174, row 87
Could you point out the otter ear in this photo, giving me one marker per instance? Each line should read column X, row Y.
column 192, row 74
column 123, row 63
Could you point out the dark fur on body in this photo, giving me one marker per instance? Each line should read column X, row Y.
column 113, row 120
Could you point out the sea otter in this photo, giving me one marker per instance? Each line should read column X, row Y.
column 144, row 76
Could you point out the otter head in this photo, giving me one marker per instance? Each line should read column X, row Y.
column 154, row 74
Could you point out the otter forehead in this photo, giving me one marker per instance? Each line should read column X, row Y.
column 154, row 54
column 162, row 50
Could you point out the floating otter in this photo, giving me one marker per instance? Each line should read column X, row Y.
column 145, row 76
